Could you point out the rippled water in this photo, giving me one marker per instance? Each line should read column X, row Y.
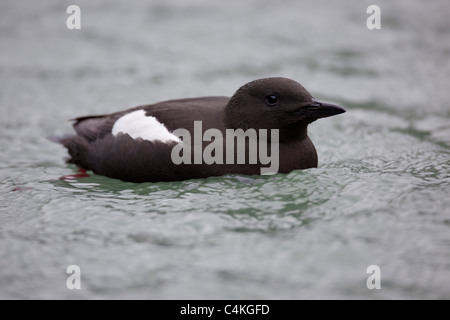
column 379, row 197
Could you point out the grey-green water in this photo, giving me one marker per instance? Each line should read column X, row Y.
column 379, row 197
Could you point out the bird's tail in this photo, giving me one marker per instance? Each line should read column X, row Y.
column 77, row 147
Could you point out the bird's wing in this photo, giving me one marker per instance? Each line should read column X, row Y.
column 176, row 114
column 207, row 109
column 89, row 127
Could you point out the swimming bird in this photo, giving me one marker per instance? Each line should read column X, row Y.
column 199, row 137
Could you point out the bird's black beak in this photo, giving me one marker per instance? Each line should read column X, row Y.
column 317, row 110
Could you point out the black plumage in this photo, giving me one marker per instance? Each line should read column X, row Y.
column 270, row 103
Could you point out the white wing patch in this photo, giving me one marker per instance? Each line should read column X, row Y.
column 137, row 125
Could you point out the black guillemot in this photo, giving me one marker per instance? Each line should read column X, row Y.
column 195, row 137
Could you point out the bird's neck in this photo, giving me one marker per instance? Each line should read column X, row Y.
column 295, row 132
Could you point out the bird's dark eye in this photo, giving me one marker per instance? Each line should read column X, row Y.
column 272, row 99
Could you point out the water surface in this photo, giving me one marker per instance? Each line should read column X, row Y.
column 379, row 197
